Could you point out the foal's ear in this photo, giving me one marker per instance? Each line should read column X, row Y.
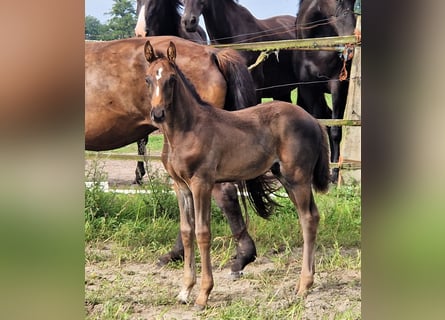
column 149, row 52
column 171, row 52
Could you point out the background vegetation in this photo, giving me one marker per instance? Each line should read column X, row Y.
column 119, row 26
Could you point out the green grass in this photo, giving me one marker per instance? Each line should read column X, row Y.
column 155, row 143
column 150, row 221
column 294, row 96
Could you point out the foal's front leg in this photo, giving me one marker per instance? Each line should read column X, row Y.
column 201, row 191
column 187, row 226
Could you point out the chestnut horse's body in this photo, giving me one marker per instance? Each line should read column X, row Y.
column 116, row 106
column 205, row 145
column 117, row 109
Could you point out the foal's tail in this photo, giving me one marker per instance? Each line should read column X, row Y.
column 240, row 92
column 321, row 174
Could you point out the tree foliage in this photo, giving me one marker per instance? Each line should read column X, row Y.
column 120, row 25
column 93, row 28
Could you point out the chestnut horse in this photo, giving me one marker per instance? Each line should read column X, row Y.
column 117, row 108
column 205, row 145
column 228, row 22
column 160, row 18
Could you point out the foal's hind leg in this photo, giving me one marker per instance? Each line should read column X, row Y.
column 309, row 217
column 226, row 197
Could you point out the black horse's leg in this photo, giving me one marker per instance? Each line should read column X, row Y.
column 175, row 254
column 226, row 197
column 140, row 169
column 339, row 92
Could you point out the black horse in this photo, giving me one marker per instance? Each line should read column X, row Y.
column 229, row 22
column 318, row 72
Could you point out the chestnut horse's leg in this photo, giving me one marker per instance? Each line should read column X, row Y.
column 226, row 197
column 140, row 169
column 187, row 227
column 202, row 191
column 309, row 217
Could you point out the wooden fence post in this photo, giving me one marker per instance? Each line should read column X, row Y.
column 350, row 148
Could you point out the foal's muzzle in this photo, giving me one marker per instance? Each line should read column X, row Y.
column 157, row 114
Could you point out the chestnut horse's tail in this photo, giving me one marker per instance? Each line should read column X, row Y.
column 321, row 173
column 240, row 92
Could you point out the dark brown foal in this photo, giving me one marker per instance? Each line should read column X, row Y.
column 205, row 145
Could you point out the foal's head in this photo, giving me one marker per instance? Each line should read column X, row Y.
column 161, row 79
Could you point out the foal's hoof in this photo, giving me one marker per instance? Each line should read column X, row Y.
column 198, row 307
column 304, row 286
column 302, row 293
column 182, row 298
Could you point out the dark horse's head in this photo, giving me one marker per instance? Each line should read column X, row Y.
column 161, row 81
column 192, row 10
column 342, row 16
column 326, row 18
column 157, row 17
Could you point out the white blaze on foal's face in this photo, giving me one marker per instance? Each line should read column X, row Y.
column 158, row 76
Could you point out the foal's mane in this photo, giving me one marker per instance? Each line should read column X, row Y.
column 188, row 84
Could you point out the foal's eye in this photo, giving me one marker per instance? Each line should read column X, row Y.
column 148, row 81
